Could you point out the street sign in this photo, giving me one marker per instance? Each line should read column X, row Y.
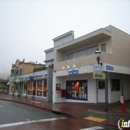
column 73, row 72
column 97, row 72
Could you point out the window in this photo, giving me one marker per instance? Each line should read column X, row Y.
column 70, row 56
column 103, row 47
column 76, row 89
column 101, row 84
column 91, row 50
column 115, row 85
column 80, row 53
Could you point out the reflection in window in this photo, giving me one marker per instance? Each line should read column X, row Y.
column 115, row 85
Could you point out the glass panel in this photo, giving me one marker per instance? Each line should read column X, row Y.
column 76, row 89
column 115, row 85
column 70, row 56
column 39, row 88
column 80, row 53
column 91, row 50
column 101, row 84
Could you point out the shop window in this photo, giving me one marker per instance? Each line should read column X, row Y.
column 76, row 89
column 39, row 88
column 103, row 47
column 30, row 88
column 115, row 85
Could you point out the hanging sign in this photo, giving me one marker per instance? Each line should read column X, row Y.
column 97, row 73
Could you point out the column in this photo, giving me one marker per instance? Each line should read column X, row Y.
column 36, row 87
column 42, row 87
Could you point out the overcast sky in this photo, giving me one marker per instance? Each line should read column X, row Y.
column 27, row 27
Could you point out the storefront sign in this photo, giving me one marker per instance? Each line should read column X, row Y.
column 108, row 67
column 31, row 78
column 97, row 73
column 73, row 72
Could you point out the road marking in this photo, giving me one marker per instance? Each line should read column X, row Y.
column 32, row 121
column 1, row 106
column 95, row 119
column 94, row 128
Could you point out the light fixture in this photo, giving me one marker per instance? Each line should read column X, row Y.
column 97, row 51
column 98, row 57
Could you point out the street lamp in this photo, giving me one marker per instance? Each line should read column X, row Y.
column 98, row 57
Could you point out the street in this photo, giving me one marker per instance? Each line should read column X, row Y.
column 14, row 116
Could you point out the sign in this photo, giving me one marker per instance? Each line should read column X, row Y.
column 108, row 67
column 73, row 72
column 97, row 73
column 31, row 78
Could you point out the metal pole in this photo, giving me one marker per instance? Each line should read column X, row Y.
column 122, row 92
column 106, row 94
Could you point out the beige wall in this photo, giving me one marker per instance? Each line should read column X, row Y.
column 121, row 47
column 117, row 50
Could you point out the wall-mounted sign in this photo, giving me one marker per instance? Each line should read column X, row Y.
column 108, row 67
column 73, row 72
column 31, row 78
column 97, row 73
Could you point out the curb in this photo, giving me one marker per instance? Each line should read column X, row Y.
column 60, row 112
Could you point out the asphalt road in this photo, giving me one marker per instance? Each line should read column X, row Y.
column 15, row 116
column 11, row 112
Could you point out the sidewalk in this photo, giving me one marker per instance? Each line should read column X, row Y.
column 92, row 112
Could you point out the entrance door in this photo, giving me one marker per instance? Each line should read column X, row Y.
column 101, row 91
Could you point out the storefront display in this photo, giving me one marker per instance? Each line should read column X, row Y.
column 39, row 88
column 76, row 89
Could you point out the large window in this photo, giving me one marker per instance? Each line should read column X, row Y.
column 76, row 89
column 70, row 56
column 80, row 53
column 91, row 50
column 115, row 85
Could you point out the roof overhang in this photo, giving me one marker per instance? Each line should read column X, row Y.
column 85, row 40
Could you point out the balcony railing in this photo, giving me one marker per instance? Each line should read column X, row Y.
column 87, row 60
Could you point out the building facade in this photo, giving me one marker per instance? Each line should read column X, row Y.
column 74, row 61
column 31, row 80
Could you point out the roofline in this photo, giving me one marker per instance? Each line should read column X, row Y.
column 63, row 35
column 50, row 49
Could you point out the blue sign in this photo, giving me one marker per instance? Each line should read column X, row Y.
column 73, row 72
column 31, row 78
column 108, row 67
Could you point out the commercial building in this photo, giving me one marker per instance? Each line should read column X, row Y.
column 31, row 80
column 75, row 62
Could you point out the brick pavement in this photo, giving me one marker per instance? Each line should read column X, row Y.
column 77, row 110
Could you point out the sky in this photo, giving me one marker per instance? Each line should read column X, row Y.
column 27, row 27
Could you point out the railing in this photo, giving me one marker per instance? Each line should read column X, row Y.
column 83, row 61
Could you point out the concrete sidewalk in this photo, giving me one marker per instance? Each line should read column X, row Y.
column 84, row 111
